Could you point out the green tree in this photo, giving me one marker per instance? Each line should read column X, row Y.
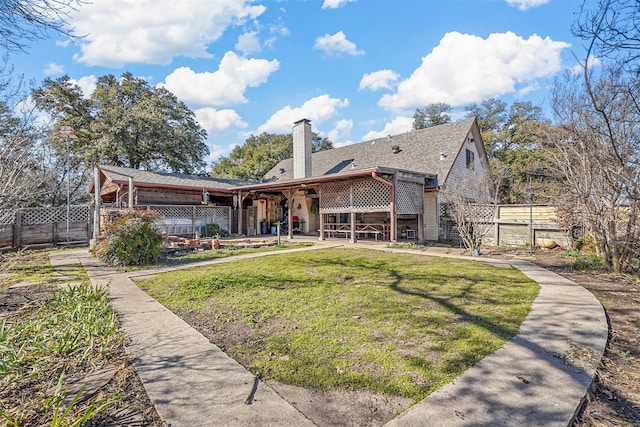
column 125, row 123
column 512, row 136
column 431, row 115
column 252, row 160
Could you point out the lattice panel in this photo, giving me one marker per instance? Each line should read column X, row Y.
column 51, row 215
column 7, row 216
column 371, row 195
column 335, row 198
column 191, row 219
column 479, row 212
column 185, row 212
column 409, row 198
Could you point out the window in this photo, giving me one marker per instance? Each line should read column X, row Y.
column 470, row 159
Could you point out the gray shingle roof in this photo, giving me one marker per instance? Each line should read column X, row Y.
column 418, row 151
column 141, row 177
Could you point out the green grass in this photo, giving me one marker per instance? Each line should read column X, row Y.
column 355, row 319
column 211, row 254
column 34, row 267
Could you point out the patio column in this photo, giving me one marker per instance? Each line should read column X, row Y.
column 352, row 239
column 290, row 215
column 321, row 231
column 420, row 228
column 240, row 221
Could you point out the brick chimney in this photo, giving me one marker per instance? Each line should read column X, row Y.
column 302, row 149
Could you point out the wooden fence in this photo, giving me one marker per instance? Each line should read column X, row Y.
column 45, row 226
column 516, row 225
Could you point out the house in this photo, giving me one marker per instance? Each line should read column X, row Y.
column 161, row 188
column 384, row 188
column 187, row 203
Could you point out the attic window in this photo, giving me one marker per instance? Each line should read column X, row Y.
column 395, row 149
column 282, row 170
column 471, row 160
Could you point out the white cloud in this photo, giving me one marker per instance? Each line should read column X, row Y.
column 248, row 43
column 226, row 86
column 87, row 84
column 216, row 151
column 213, row 120
column 383, row 79
column 53, row 69
column 526, row 4
column 119, row 32
column 579, row 68
column 341, row 132
column 334, row 4
column 63, row 43
column 396, row 126
column 337, row 44
column 465, row 68
column 316, row 109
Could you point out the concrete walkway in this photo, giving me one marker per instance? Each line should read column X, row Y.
column 539, row 378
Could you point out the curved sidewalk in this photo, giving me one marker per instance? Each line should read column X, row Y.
column 538, row 378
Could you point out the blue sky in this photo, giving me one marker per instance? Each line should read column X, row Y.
column 357, row 69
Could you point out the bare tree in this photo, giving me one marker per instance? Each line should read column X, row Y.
column 471, row 207
column 22, row 21
column 23, row 157
column 595, row 148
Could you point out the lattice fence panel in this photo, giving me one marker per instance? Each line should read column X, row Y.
column 409, row 198
column 213, row 215
column 480, row 212
column 371, row 196
column 50, row 215
column 335, row 198
column 7, row 216
column 191, row 219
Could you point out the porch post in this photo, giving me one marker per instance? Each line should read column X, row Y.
column 289, row 215
column 130, row 192
column 421, row 227
column 240, row 221
column 96, row 213
column 353, row 228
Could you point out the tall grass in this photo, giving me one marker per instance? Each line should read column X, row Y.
column 76, row 331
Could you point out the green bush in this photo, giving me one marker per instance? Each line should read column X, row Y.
column 131, row 240
column 584, row 260
column 211, row 230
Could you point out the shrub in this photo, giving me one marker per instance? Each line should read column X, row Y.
column 584, row 260
column 215, row 229
column 131, row 240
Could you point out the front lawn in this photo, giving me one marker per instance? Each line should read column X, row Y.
column 392, row 323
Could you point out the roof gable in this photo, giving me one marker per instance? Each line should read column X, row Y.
column 418, row 151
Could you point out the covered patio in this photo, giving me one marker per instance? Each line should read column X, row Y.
column 376, row 203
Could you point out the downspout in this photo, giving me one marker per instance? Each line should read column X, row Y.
column 392, row 207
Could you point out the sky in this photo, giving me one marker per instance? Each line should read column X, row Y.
column 357, row 69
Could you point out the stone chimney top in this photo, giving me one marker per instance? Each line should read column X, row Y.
column 302, row 149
